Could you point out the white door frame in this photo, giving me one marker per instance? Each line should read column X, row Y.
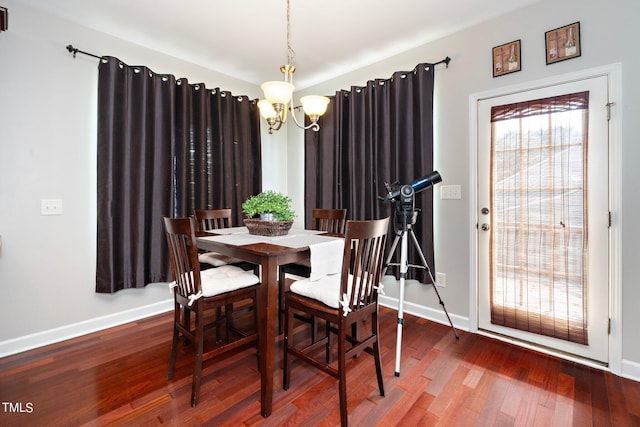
column 613, row 72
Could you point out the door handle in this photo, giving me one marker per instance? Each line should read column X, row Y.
column 485, row 227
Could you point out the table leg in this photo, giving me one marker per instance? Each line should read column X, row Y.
column 267, row 329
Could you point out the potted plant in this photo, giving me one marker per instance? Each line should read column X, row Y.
column 275, row 211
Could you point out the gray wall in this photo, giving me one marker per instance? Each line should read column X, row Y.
column 47, row 150
column 609, row 35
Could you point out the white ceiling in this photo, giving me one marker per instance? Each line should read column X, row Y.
column 247, row 38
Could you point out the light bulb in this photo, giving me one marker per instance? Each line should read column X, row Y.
column 266, row 109
column 278, row 92
column 314, row 105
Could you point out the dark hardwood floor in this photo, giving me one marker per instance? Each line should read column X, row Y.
column 118, row 377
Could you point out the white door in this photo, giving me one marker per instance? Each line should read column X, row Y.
column 543, row 219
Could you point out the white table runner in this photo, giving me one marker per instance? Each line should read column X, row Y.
column 297, row 238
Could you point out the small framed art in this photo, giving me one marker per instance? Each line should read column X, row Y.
column 4, row 19
column 506, row 58
column 563, row 43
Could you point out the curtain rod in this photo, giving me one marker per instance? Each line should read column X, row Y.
column 75, row 50
column 444, row 61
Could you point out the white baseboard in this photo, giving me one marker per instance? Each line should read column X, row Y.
column 630, row 370
column 435, row 315
column 39, row 339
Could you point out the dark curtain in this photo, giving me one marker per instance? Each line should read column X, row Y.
column 382, row 132
column 165, row 147
column 217, row 160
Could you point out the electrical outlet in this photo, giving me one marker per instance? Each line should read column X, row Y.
column 450, row 192
column 441, row 280
column 51, row 207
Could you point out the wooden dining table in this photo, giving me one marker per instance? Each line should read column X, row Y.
column 269, row 253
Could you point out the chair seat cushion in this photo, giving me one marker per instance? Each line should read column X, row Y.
column 216, row 259
column 325, row 289
column 216, row 281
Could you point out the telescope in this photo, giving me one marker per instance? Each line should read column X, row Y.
column 399, row 192
column 403, row 196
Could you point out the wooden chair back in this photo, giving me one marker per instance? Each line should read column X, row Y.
column 329, row 220
column 183, row 255
column 362, row 262
column 212, row 219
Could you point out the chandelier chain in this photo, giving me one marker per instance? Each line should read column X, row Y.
column 279, row 95
column 291, row 54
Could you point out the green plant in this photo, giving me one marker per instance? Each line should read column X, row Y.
column 271, row 202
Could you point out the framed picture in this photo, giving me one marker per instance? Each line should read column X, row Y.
column 4, row 19
column 563, row 43
column 506, row 58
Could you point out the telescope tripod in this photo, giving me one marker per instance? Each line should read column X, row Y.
column 401, row 235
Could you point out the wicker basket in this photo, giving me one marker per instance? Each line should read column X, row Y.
column 261, row 227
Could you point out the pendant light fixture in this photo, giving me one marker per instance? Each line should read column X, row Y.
column 279, row 94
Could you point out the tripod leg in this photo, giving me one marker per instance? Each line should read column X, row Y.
column 388, row 261
column 433, row 281
column 404, row 266
column 399, row 329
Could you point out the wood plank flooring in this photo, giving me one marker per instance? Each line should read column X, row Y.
column 118, row 377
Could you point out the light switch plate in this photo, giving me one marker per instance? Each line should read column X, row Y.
column 450, row 192
column 51, row 207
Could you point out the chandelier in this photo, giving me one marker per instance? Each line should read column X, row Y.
column 279, row 95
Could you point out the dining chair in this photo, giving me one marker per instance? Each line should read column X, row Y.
column 330, row 220
column 341, row 300
column 212, row 219
column 195, row 291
